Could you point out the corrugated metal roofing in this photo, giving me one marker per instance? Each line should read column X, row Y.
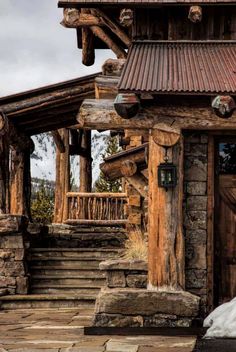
column 180, row 67
column 73, row 3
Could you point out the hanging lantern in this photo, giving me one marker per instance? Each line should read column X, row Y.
column 167, row 175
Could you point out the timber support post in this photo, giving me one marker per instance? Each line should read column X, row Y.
column 62, row 179
column 15, row 186
column 86, row 164
column 20, row 182
column 166, row 243
column 4, row 174
column 85, row 175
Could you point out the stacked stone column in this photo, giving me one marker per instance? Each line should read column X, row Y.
column 13, row 246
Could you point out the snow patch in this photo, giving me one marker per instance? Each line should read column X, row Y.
column 222, row 321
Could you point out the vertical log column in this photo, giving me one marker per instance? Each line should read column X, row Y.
column 85, row 171
column 4, row 174
column 86, row 164
column 20, row 182
column 166, row 243
column 62, row 179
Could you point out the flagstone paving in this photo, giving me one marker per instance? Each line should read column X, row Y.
column 62, row 330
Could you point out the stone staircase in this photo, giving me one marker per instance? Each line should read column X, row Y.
column 64, row 268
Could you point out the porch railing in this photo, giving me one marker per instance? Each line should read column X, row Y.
column 96, row 208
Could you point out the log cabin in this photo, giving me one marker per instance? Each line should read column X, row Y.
column 176, row 92
column 170, row 96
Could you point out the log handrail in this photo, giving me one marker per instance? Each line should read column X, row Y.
column 96, row 207
column 96, row 195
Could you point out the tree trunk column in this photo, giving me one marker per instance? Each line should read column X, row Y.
column 86, row 164
column 62, row 179
column 4, row 174
column 166, row 242
column 20, row 180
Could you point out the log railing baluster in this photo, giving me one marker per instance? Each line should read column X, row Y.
column 96, row 206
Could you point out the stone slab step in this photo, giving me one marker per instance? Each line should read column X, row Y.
column 63, row 255
column 64, row 289
column 83, row 281
column 87, row 239
column 70, row 273
column 65, row 263
column 80, row 301
column 86, row 288
column 83, row 250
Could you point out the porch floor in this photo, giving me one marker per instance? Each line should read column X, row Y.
column 62, row 330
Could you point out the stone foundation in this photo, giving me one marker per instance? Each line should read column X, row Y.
column 13, row 245
column 140, row 307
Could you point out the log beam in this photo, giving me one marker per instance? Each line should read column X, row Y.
column 73, row 18
column 139, row 182
column 166, row 242
column 112, row 25
column 112, row 166
column 101, row 34
column 88, row 51
column 100, row 114
column 128, row 168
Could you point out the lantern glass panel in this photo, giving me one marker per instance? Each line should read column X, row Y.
column 167, row 176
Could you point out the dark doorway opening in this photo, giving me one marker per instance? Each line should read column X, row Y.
column 225, row 220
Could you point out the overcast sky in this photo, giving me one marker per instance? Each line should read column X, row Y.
column 35, row 49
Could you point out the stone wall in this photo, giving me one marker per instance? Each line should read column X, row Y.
column 127, row 302
column 125, row 273
column 13, row 245
column 195, row 218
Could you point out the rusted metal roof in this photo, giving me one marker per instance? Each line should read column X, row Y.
column 180, row 67
column 88, row 3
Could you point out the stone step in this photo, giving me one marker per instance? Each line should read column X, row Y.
column 83, row 250
column 64, row 280
column 88, row 239
column 64, row 289
column 63, row 271
column 66, row 263
column 80, row 301
column 73, row 254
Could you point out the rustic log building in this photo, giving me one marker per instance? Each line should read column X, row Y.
column 170, row 96
column 177, row 92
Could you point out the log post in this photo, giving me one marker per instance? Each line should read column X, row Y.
column 86, row 164
column 20, row 182
column 4, row 174
column 62, row 179
column 20, row 179
column 15, row 199
column 85, row 171
column 166, row 243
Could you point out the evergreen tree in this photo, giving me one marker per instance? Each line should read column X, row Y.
column 103, row 183
column 42, row 205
